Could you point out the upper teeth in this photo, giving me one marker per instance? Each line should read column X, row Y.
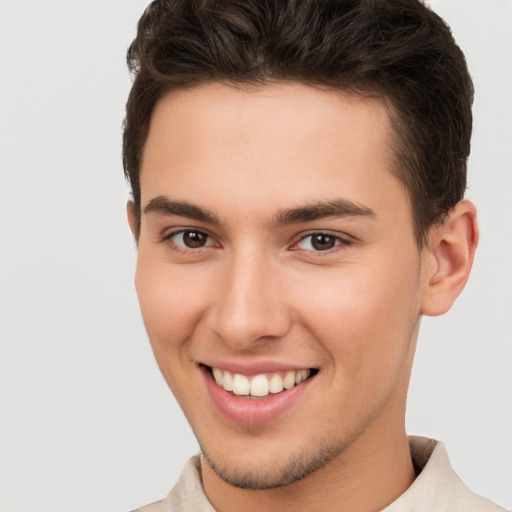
column 258, row 385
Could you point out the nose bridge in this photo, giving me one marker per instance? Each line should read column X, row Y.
column 249, row 306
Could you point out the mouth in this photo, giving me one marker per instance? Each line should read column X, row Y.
column 261, row 385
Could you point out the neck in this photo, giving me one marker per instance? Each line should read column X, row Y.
column 368, row 476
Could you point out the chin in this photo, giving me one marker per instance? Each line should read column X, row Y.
column 273, row 472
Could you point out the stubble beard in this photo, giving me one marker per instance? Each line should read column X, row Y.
column 274, row 474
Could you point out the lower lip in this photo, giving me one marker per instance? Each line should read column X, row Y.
column 250, row 411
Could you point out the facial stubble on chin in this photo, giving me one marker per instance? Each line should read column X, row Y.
column 275, row 474
column 315, row 454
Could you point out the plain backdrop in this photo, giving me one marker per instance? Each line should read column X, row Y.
column 86, row 421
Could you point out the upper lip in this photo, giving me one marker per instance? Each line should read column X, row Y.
column 255, row 368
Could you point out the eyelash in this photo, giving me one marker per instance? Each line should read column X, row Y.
column 339, row 242
column 183, row 249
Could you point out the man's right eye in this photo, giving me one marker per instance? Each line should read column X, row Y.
column 190, row 239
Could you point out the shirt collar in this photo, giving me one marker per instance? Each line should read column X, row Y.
column 437, row 488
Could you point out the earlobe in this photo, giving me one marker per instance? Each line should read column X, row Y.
column 132, row 219
column 451, row 251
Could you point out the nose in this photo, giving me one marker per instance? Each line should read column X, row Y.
column 249, row 307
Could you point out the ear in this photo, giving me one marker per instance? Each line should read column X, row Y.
column 132, row 219
column 450, row 253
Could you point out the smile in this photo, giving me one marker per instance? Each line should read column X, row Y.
column 260, row 385
column 258, row 395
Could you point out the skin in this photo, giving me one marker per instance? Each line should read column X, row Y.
column 259, row 291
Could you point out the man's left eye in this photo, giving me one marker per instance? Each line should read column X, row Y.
column 319, row 242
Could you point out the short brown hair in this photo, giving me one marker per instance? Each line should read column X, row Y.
column 398, row 49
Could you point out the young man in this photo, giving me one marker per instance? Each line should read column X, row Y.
column 298, row 171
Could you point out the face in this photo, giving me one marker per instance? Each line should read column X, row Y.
column 278, row 275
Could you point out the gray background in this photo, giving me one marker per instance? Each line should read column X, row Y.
column 86, row 421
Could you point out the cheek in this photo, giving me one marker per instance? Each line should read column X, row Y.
column 365, row 317
column 171, row 304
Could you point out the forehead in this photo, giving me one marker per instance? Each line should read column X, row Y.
column 249, row 114
column 277, row 143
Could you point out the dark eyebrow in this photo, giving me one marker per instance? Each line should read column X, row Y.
column 321, row 210
column 165, row 206
column 336, row 208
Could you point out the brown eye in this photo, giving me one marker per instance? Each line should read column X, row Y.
column 190, row 239
column 319, row 242
column 322, row 242
column 194, row 239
